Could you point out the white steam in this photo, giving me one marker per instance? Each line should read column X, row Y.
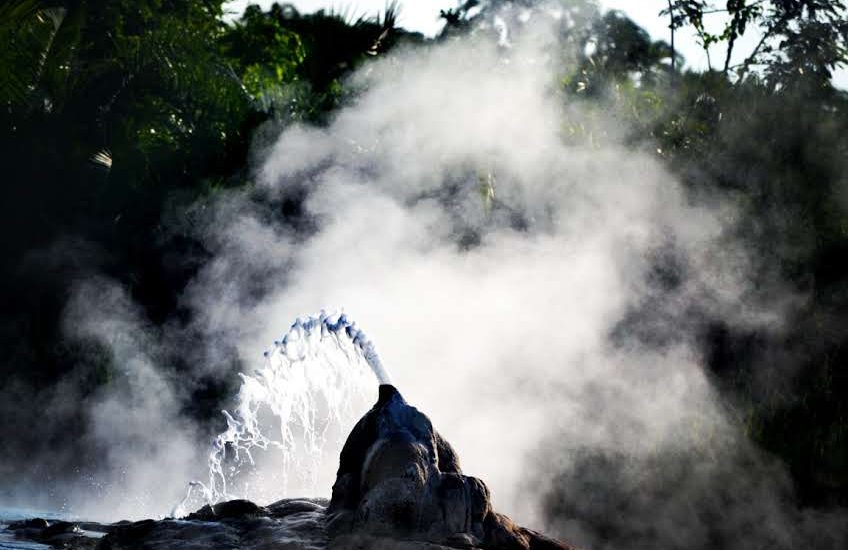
column 494, row 260
column 491, row 259
column 136, row 426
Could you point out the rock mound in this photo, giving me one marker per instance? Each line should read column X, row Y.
column 399, row 479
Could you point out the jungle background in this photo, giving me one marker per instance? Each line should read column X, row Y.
column 119, row 118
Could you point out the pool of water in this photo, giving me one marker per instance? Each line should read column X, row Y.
column 8, row 541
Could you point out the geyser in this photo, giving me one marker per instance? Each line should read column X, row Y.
column 308, row 390
column 399, row 486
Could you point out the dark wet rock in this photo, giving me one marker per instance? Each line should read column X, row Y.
column 60, row 528
column 370, row 542
column 170, row 534
column 288, row 506
column 290, row 524
column 34, row 523
column 230, row 509
column 57, row 534
column 399, row 479
column 134, row 531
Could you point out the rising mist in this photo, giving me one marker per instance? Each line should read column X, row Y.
column 495, row 259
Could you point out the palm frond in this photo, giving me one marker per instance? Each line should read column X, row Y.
column 102, row 158
column 27, row 30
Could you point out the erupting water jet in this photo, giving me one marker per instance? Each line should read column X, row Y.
column 311, row 383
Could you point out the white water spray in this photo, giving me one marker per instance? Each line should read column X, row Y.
column 302, row 402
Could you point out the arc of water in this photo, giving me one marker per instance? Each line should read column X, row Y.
column 319, row 361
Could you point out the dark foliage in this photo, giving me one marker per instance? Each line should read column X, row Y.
column 117, row 116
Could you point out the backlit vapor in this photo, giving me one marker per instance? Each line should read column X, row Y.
column 538, row 292
column 505, row 313
column 501, row 312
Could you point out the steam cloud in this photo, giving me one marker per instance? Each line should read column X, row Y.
column 137, row 422
column 507, row 273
